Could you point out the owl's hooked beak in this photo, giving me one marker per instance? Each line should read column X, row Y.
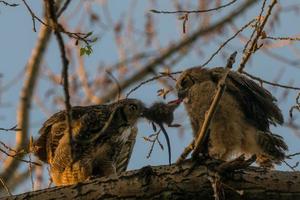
column 183, row 95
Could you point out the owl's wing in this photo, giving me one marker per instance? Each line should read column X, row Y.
column 126, row 151
column 258, row 103
column 85, row 122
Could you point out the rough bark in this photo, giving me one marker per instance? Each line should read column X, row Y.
column 175, row 182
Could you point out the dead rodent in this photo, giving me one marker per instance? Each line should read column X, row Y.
column 162, row 113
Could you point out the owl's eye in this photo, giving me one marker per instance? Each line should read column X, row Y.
column 132, row 107
column 186, row 82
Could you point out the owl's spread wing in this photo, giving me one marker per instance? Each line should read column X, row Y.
column 258, row 103
column 126, row 152
column 85, row 121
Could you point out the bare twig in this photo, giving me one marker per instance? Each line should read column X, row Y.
column 9, row 4
column 63, row 8
column 283, row 38
column 213, row 107
column 290, row 166
column 52, row 13
column 259, row 31
column 193, row 11
column 16, row 156
column 228, row 40
column 184, row 44
column 296, row 106
column 152, row 79
column 270, row 83
column 292, row 155
column 5, row 187
column 256, row 25
column 33, row 16
column 7, row 147
column 14, row 128
column 117, row 83
column 149, row 139
column 58, row 28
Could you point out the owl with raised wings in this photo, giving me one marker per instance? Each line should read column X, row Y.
column 241, row 124
column 101, row 142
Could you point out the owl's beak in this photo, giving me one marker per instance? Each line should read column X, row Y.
column 181, row 94
column 144, row 110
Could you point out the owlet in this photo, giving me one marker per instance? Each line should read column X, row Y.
column 241, row 122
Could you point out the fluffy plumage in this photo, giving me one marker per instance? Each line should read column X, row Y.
column 241, row 123
column 99, row 141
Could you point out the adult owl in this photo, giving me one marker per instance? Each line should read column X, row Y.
column 102, row 140
column 241, row 124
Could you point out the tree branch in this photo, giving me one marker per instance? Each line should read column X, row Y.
column 174, row 182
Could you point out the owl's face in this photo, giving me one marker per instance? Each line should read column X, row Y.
column 184, row 84
column 130, row 110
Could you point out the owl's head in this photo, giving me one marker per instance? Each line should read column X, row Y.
column 188, row 78
column 130, row 110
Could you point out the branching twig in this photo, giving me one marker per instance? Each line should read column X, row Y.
column 152, row 79
column 256, row 25
column 20, row 159
column 228, row 40
column 33, row 16
column 283, row 38
column 5, row 187
column 292, row 155
column 58, row 28
column 149, row 139
column 193, row 11
column 63, row 8
column 290, row 166
column 14, row 128
column 65, row 63
column 259, row 30
column 297, row 106
column 117, row 83
column 9, row 4
column 270, row 83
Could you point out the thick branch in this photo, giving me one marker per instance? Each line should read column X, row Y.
column 174, row 182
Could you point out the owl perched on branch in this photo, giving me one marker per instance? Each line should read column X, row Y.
column 102, row 140
column 241, row 122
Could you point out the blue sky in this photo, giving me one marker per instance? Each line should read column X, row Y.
column 17, row 40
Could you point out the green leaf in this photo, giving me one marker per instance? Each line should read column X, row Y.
column 88, row 34
column 82, row 51
column 94, row 39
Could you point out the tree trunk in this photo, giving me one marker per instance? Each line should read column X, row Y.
column 179, row 182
